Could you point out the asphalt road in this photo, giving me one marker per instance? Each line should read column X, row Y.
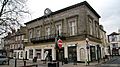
column 114, row 62
column 20, row 63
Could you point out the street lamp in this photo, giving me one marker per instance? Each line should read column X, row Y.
column 98, row 52
column 24, row 57
column 87, row 47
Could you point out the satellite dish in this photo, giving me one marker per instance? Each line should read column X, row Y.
column 47, row 11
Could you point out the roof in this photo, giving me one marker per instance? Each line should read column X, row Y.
column 67, row 8
column 113, row 33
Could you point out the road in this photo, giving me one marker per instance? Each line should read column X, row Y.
column 20, row 63
column 114, row 62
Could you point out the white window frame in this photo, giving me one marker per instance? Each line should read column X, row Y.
column 38, row 32
column 72, row 27
column 91, row 29
column 22, row 37
column 30, row 35
column 59, row 28
column 47, row 30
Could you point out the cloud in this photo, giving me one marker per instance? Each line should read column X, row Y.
column 108, row 10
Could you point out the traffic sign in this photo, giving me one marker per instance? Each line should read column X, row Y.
column 60, row 43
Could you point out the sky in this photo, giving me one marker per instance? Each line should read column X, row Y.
column 109, row 10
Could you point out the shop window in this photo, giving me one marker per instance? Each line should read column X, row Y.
column 31, row 53
column 21, row 54
column 14, row 54
column 38, row 53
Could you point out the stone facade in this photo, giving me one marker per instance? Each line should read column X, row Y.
column 14, row 43
column 77, row 22
column 114, row 43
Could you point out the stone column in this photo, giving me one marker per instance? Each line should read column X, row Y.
column 27, row 54
column 78, row 53
column 26, row 49
column 53, row 54
column 34, row 53
column 86, row 52
column 42, row 54
column 96, row 52
column 66, row 52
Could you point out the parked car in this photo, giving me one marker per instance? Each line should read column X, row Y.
column 3, row 59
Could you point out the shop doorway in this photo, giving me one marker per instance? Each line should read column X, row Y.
column 98, row 52
column 60, row 54
column 38, row 53
column 72, row 55
column 48, row 56
column 92, row 53
column 25, row 54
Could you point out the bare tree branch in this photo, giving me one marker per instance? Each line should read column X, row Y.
column 4, row 4
column 11, row 11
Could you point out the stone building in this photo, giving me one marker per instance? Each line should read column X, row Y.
column 78, row 28
column 9, row 40
column 2, row 49
column 18, row 46
column 14, row 43
column 114, row 43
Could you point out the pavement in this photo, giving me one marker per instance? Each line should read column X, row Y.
column 42, row 64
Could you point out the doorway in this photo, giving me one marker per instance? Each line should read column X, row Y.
column 48, row 53
column 82, row 54
column 72, row 55
column 60, row 54
column 92, row 53
column 25, row 54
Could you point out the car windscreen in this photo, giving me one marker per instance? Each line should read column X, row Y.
column 2, row 56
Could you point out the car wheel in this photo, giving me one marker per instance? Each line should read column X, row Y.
column 3, row 62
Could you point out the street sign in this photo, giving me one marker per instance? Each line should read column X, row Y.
column 87, row 47
column 60, row 43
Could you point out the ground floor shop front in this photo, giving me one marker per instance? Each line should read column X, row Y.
column 72, row 51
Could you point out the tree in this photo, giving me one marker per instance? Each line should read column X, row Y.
column 11, row 12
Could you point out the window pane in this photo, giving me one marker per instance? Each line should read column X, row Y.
column 58, row 28
column 30, row 53
column 72, row 27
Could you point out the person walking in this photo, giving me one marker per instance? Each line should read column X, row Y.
column 75, row 59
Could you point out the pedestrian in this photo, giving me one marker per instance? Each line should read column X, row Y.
column 103, row 58
column 75, row 59
column 62, row 60
column 8, row 60
column 50, row 58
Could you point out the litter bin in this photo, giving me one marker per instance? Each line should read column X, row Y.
column 65, row 61
column 53, row 64
column 35, row 59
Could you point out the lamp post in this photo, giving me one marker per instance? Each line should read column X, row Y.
column 98, row 53
column 87, row 47
column 24, row 57
column 56, row 46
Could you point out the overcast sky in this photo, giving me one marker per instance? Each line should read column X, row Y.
column 109, row 10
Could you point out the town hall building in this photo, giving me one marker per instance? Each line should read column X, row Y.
column 77, row 26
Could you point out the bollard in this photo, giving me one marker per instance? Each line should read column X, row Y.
column 85, row 62
column 8, row 60
column 15, row 62
column 24, row 63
